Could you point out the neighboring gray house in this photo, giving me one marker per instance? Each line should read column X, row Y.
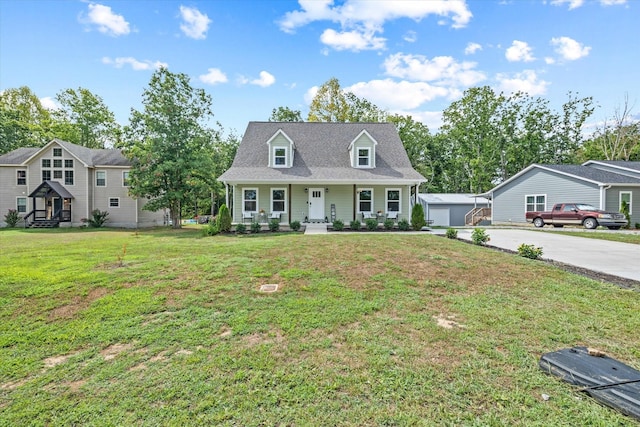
column 61, row 183
column 454, row 209
column 316, row 172
column 603, row 184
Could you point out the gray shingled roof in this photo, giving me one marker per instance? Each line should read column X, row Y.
column 620, row 164
column 89, row 156
column 321, row 154
column 594, row 174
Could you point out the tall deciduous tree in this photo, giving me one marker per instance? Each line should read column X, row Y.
column 84, row 119
column 420, row 147
column 329, row 104
column 285, row 114
column 169, row 144
column 24, row 122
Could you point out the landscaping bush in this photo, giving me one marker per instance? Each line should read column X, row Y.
column 338, row 225
column 372, row 224
column 479, row 236
column 241, row 228
column 97, row 220
column 529, row 251
column 274, row 225
column 388, row 224
column 295, row 225
column 211, row 229
column 624, row 209
column 223, row 221
column 12, row 218
column 452, row 233
column 256, row 227
column 354, row 225
column 417, row 217
column 404, row 225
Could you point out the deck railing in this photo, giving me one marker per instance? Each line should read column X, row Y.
column 476, row 215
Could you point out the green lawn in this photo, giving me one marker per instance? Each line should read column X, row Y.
column 616, row 236
column 168, row 327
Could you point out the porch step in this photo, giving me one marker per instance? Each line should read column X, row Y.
column 49, row 223
column 315, row 228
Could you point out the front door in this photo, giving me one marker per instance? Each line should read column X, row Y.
column 316, row 204
column 57, row 205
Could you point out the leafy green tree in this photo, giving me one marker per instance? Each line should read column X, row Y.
column 285, row 114
column 24, row 122
column 224, row 219
column 84, row 119
column 362, row 110
column 329, row 104
column 168, row 143
column 417, row 217
column 420, row 147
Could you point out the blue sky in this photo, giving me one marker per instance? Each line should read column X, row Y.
column 410, row 57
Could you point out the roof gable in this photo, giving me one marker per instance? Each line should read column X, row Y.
column 89, row 157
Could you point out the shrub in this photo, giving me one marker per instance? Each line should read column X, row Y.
column 417, row 217
column 479, row 236
column 211, row 229
column 354, row 225
column 274, row 225
column 637, row 225
column 529, row 251
column 256, row 227
column 98, row 218
column 295, row 225
column 404, row 225
column 388, row 224
column 624, row 209
column 338, row 225
column 12, row 218
column 223, row 221
column 372, row 224
column 452, row 233
column 241, row 228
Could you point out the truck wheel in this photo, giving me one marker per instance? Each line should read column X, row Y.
column 590, row 223
column 538, row 222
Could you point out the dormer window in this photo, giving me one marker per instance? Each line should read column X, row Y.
column 364, row 157
column 279, row 157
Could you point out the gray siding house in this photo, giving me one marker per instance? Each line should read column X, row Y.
column 318, row 172
column 61, row 183
column 603, row 184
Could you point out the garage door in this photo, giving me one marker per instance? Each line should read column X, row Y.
column 439, row 216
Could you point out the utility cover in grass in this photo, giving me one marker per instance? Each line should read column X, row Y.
column 269, row 288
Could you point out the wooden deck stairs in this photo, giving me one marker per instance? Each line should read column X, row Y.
column 477, row 215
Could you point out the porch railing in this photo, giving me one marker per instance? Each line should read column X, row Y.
column 476, row 215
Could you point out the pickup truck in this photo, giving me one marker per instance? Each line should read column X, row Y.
column 577, row 214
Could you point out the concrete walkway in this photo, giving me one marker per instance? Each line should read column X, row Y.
column 614, row 258
column 315, row 229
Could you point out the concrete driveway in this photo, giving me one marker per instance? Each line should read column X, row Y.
column 617, row 259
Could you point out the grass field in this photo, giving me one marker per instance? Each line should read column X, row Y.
column 168, row 327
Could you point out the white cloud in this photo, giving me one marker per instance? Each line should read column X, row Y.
column 213, row 76
column 49, row 103
column 105, row 20
column 410, row 37
column 352, row 40
column 549, row 60
column 368, row 18
column 573, row 4
column 195, row 23
column 266, row 79
column 472, row 48
column 612, row 2
column 519, row 51
column 389, row 94
column 134, row 63
column 444, row 70
column 569, row 49
column 526, row 81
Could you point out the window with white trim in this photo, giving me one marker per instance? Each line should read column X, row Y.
column 364, row 157
column 626, row 196
column 68, row 177
column 535, row 202
column 250, row 200
column 21, row 204
column 114, row 202
column 46, row 175
column 57, row 174
column 393, row 198
column 365, row 200
column 125, row 178
column 21, row 177
column 278, row 200
column 57, row 152
column 279, row 157
column 68, row 163
column 101, row 178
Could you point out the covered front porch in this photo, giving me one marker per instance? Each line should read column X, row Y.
column 51, row 205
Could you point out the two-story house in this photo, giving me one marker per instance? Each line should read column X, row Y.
column 62, row 183
column 318, row 172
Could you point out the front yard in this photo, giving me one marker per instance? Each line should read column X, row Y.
column 168, row 327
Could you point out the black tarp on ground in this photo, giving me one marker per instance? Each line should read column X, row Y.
column 607, row 380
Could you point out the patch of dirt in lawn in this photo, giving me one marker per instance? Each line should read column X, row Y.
column 13, row 384
column 52, row 361
column 447, row 322
column 272, row 337
column 114, row 350
column 78, row 304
